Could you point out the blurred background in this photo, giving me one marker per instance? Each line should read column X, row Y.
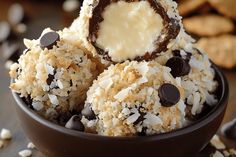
column 211, row 22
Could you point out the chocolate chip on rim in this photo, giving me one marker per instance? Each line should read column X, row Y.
column 88, row 113
column 75, row 123
column 127, row 37
column 229, row 130
column 49, row 39
column 169, row 95
column 179, row 67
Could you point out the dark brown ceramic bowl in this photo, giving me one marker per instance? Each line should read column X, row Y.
column 56, row 141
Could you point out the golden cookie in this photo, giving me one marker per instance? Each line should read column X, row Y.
column 226, row 7
column 208, row 25
column 222, row 49
column 188, row 6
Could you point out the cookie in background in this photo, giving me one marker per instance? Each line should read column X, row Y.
column 212, row 22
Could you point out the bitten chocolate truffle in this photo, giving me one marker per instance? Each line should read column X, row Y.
column 129, row 30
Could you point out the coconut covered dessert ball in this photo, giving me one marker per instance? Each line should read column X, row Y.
column 200, row 84
column 197, row 77
column 120, row 30
column 53, row 74
column 134, row 98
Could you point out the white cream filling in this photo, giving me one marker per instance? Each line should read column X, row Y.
column 129, row 30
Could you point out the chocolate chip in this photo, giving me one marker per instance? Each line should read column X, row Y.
column 88, row 113
column 169, row 95
column 179, row 67
column 176, row 53
column 75, row 123
column 16, row 14
column 229, row 130
column 50, row 79
column 48, row 40
column 5, row 31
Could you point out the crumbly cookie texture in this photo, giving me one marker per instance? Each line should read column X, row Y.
column 114, row 52
column 188, row 6
column 125, row 101
column 54, row 80
column 226, row 7
column 222, row 54
column 213, row 25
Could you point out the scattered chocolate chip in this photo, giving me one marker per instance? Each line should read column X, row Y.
column 169, row 95
column 48, row 40
column 88, row 113
column 5, row 31
column 179, row 67
column 75, row 123
column 16, row 14
column 50, row 79
column 229, row 130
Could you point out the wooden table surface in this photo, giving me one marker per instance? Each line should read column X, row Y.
column 49, row 14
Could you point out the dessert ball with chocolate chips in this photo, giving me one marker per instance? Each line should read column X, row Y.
column 54, row 73
column 134, row 98
column 194, row 69
column 120, row 30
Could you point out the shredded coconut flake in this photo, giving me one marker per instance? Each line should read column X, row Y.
column 30, row 145
column 131, row 119
column 120, row 96
column 106, row 83
column 218, row 154
column 49, row 69
column 152, row 119
column 53, row 100
column 143, row 68
column 216, row 142
column 5, row 134
column 37, row 105
column 25, row 153
column 60, row 84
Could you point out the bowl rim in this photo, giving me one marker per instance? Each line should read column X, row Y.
column 220, row 106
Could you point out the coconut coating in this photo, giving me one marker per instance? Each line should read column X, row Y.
column 125, row 101
column 55, row 80
column 199, row 84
